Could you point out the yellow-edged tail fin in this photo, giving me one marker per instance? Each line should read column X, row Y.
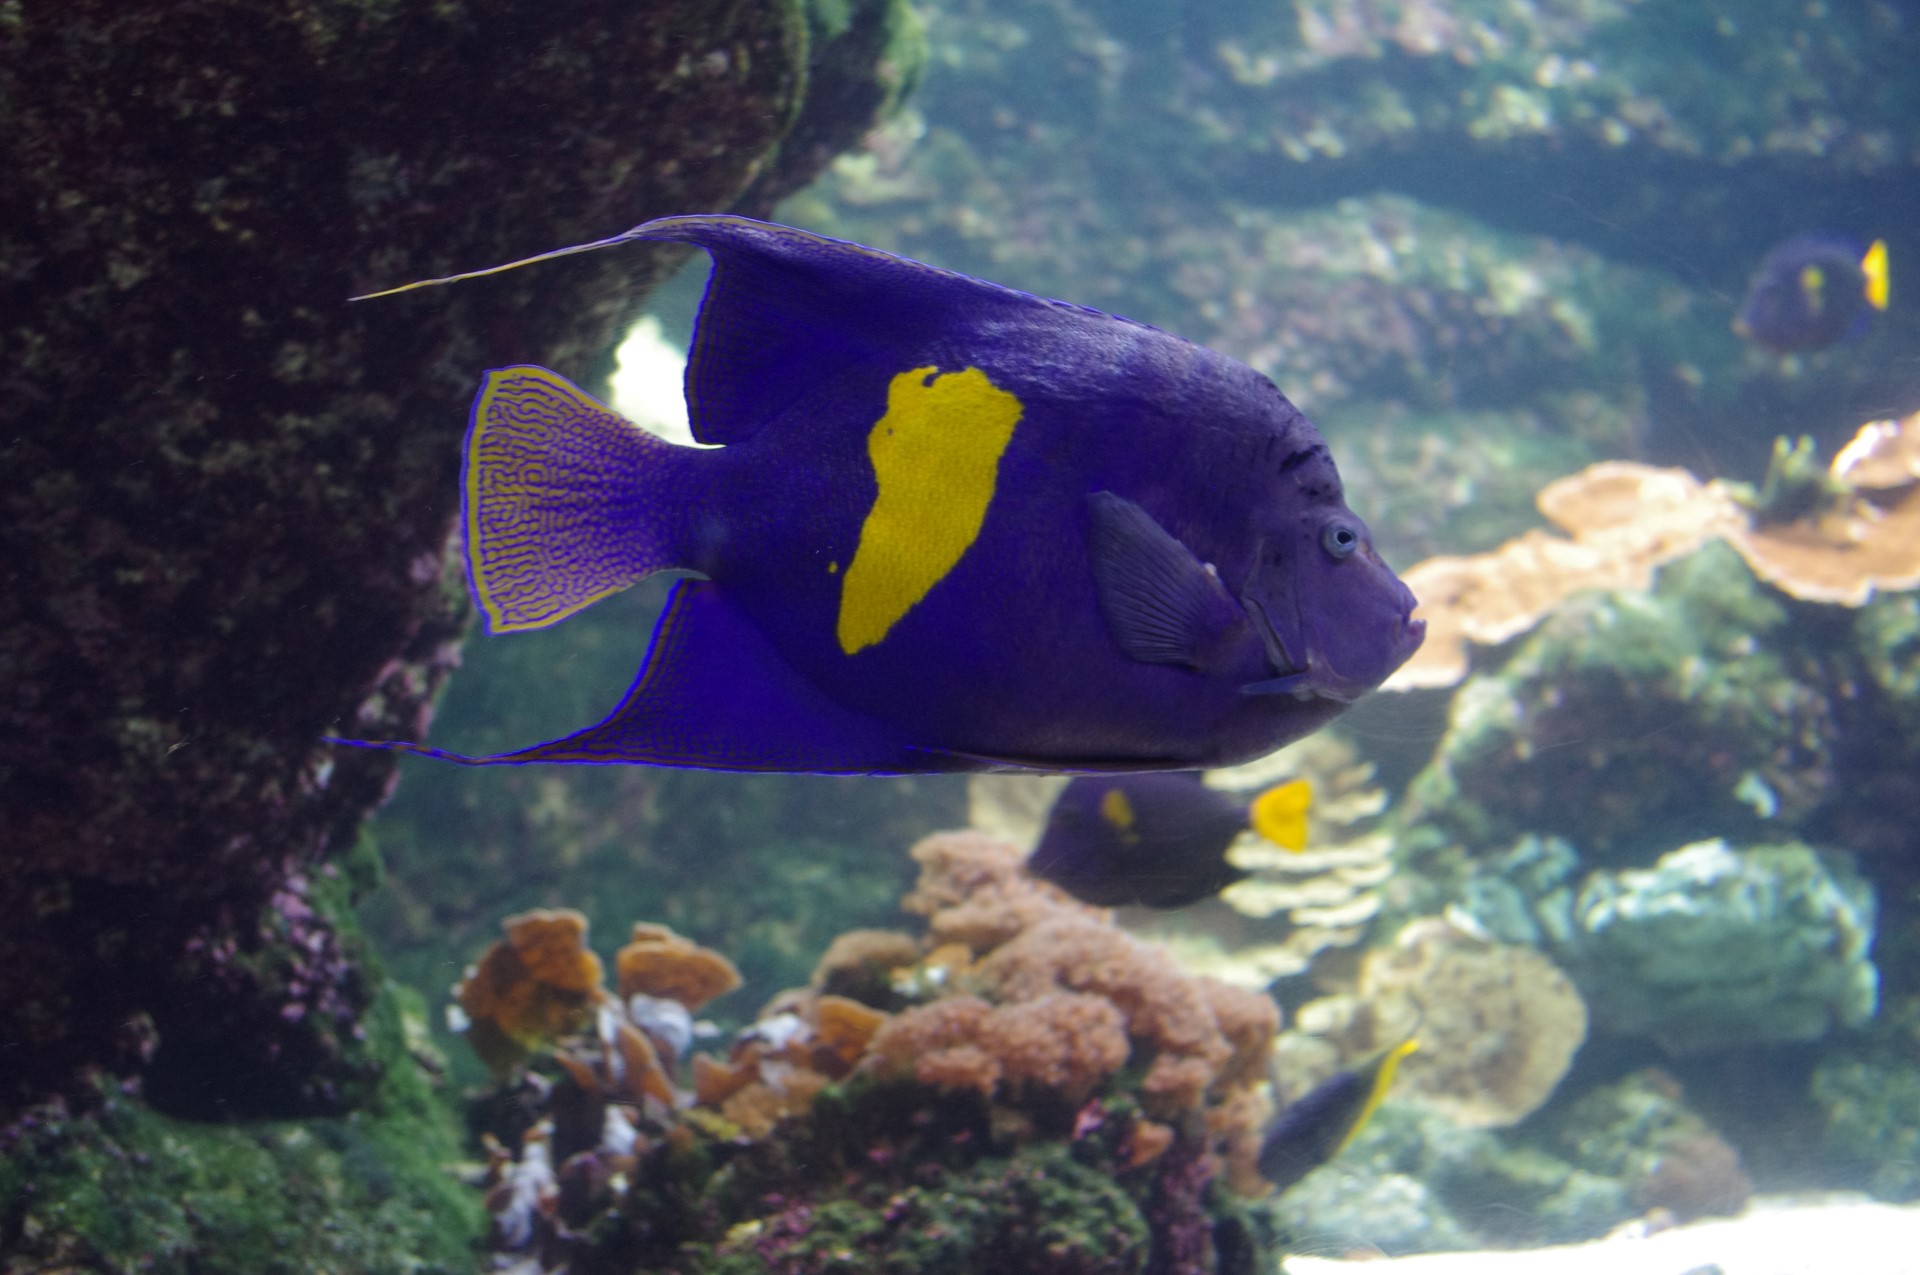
column 565, row 501
column 1384, row 1068
column 1874, row 267
column 1280, row 814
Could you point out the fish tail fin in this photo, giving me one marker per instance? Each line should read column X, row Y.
column 1383, row 1073
column 1280, row 814
column 563, row 500
column 1874, row 267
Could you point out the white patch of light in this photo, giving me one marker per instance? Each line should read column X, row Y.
column 648, row 382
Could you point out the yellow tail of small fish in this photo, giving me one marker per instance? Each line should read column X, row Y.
column 1280, row 814
column 1874, row 267
column 1388, row 1064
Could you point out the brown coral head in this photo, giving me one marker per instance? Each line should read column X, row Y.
column 842, row 1029
column 527, row 991
column 658, row 962
column 552, row 944
column 1697, row 1175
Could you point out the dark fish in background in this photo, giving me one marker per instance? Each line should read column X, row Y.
column 1812, row 291
column 1158, row 840
column 950, row 527
column 1319, row 1125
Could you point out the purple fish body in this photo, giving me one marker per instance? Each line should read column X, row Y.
column 950, row 526
column 1155, row 840
column 1813, row 291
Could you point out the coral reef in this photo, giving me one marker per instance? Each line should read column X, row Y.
column 1713, row 946
column 123, row 1187
column 1637, row 1131
column 1861, row 535
column 1498, row 1025
column 1628, row 721
column 1030, row 1079
column 1294, row 912
column 1710, row 947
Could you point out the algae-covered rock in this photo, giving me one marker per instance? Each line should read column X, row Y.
column 1716, row 946
column 126, row 1188
column 230, row 490
column 1633, row 719
column 1413, row 1181
column 1637, row 1132
column 1711, row 946
column 1871, row 1099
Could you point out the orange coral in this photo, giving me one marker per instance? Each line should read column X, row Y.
column 535, row 986
column 658, row 962
column 641, row 1074
column 842, row 1029
column 974, row 890
column 1037, row 946
column 1065, row 1043
column 1626, row 519
column 861, row 963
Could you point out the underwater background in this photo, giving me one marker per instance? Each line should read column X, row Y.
column 1628, row 848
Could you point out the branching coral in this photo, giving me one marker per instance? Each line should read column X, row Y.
column 1623, row 520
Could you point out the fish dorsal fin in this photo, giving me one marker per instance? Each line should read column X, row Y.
column 1162, row 604
column 787, row 310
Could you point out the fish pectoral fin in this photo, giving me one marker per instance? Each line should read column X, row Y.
column 1160, row 602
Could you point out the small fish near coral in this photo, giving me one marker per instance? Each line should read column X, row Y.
column 1158, row 840
column 1319, row 1125
column 948, row 527
column 1812, row 291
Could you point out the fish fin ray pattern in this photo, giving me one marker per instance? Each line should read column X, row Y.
column 560, row 500
column 1160, row 603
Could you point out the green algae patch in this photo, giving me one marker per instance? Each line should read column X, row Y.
column 126, row 1188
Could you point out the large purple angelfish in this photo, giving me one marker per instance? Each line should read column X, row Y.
column 949, row 526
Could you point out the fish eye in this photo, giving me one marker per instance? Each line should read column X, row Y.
column 1340, row 539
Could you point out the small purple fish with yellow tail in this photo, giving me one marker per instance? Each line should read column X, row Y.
column 1323, row 1121
column 1158, row 840
column 948, row 527
column 1814, row 290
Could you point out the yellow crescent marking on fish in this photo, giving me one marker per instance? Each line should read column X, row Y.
column 936, row 459
column 1116, row 809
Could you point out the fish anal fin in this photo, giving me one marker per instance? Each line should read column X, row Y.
column 562, row 500
column 713, row 694
column 1162, row 604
